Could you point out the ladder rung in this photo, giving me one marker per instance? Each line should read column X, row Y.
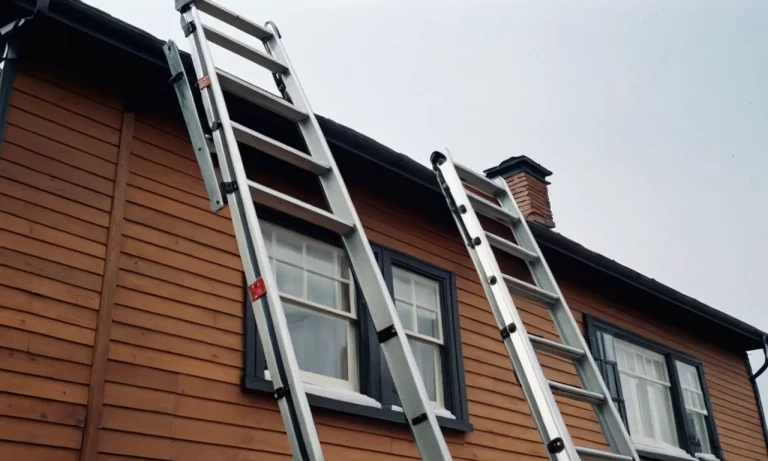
column 263, row 98
column 526, row 290
column 591, row 453
column 555, row 347
column 233, row 19
column 491, row 210
column 511, row 248
column 576, row 393
column 236, row 46
column 478, row 181
column 294, row 207
column 277, row 149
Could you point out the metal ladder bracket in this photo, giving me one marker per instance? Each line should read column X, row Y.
column 192, row 120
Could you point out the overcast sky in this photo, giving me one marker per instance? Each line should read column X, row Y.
column 652, row 115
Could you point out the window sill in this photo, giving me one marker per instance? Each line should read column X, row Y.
column 659, row 454
column 359, row 405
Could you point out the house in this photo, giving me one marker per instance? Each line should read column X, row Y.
column 124, row 334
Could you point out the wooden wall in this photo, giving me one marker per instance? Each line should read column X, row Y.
column 154, row 328
column 57, row 173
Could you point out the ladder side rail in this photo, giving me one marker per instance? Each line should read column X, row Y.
column 525, row 362
column 192, row 120
column 608, row 416
column 396, row 349
column 270, row 317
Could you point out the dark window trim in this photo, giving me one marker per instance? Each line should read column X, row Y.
column 372, row 375
column 594, row 325
column 452, row 357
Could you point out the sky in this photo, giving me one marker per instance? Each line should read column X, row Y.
column 652, row 115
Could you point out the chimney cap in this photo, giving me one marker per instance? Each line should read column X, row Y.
column 517, row 164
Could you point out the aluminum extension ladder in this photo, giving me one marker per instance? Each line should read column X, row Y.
column 239, row 193
column 539, row 392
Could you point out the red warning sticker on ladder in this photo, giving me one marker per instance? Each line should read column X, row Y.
column 257, row 289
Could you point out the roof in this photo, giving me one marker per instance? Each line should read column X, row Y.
column 115, row 32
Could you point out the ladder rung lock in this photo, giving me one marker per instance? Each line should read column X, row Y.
column 557, row 348
column 259, row 96
column 507, row 331
column 491, row 210
column 478, row 181
column 556, row 445
column 277, row 149
column 386, row 334
column 294, row 207
column 236, row 46
column 281, row 392
column 233, row 19
column 510, row 248
column 528, row 291
column 419, row 419
column 576, row 393
column 591, row 453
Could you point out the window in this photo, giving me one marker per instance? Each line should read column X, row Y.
column 318, row 299
column 418, row 305
column 659, row 392
column 647, row 397
column 695, row 407
column 334, row 338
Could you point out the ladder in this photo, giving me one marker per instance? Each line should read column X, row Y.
column 239, row 193
column 538, row 391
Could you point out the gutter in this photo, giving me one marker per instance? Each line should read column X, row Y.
column 753, row 379
column 11, row 38
column 557, row 242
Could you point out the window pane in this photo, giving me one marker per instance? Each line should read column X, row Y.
column 320, row 341
column 644, row 408
column 322, row 290
column 290, row 280
column 343, row 267
column 288, row 247
column 405, row 312
column 610, row 353
column 402, row 284
column 426, row 293
column 689, row 381
column 698, row 424
column 665, row 417
column 645, row 384
column 266, row 232
column 425, row 359
column 321, row 259
column 427, row 323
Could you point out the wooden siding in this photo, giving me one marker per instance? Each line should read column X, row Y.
column 57, row 171
column 174, row 362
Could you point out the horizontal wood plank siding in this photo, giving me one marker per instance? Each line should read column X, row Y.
column 174, row 362
column 57, row 169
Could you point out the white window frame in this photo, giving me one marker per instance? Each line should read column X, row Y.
column 657, row 443
column 352, row 383
column 700, row 392
column 439, row 402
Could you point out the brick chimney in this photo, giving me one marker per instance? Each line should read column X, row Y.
column 528, row 182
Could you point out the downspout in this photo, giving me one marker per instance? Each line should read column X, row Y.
column 753, row 378
column 11, row 37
